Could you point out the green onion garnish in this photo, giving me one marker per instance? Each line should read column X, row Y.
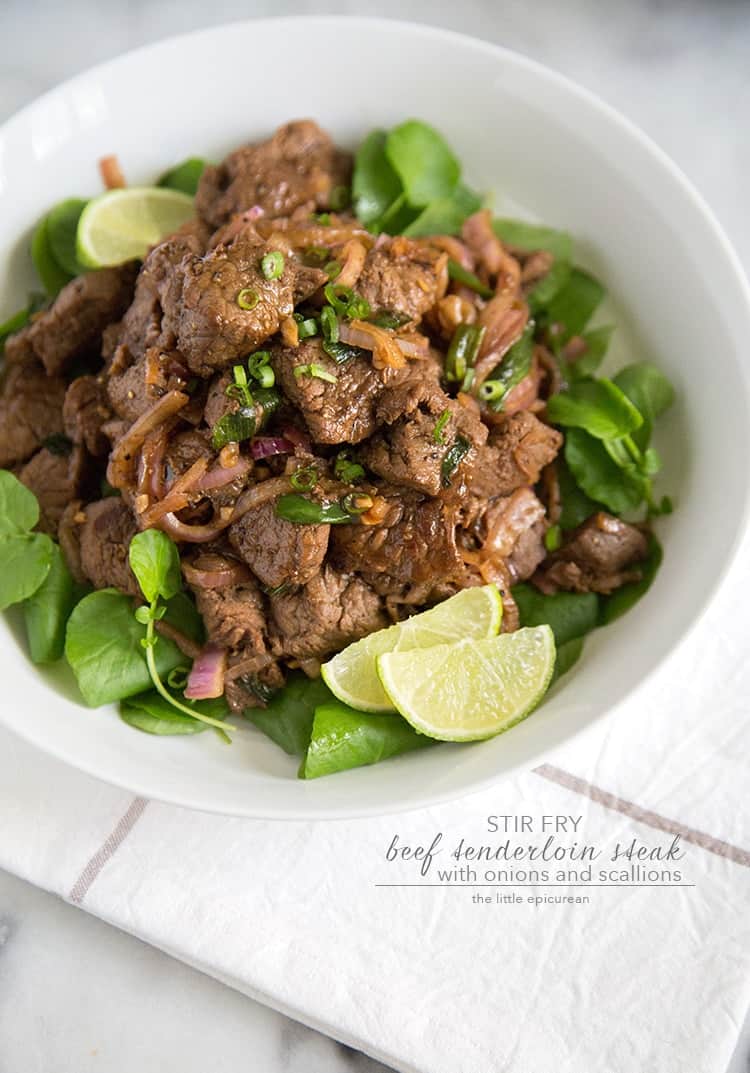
column 239, row 388
column 346, row 469
column 258, row 365
column 323, row 218
column 272, row 265
column 329, row 324
column 340, row 198
column 346, row 302
column 474, row 283
column 234, row 428
column 178, row 677
column 332, row 269
column 388, row 319
column 268, row 400
column 304, row 479
column 296, row 508
column 442, row 421
column 307, row 327
column 343, row 352
column 553, row 538
column 317, row 254
column 491, row 391
column 356, row 503
column 248, row 298
column 315, row 370
column 462, row 351
column 452, row 460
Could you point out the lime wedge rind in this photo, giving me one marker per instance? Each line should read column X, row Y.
column 120, row 225
column 352, row 675
column 471, row 690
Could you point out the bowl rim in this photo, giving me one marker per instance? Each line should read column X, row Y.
column 309, row 810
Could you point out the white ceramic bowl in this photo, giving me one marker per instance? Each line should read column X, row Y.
column 537, row 140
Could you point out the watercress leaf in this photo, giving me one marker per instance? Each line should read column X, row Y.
column 649, row 390
column 46, row 612
column 103, row 648
column 598, row 406
column 375, row 185
column 534, row 237
column 569, row 614
column 397, row 217
column 185, row 176
column 445, row 216
column 25, row 560
column 155, row 561
column 597, row 341
column 343, row 738
column 13, row 324
column 151, row 713
column 574, row 304
column 567, row 656
column 599, row 476
column 542, row 293
column 52, row 276
column 288, row 717
column 427, row 168
column 576, row 506
column 62, row 229
column 19, row 510
column 182, row 613
column 623, row 599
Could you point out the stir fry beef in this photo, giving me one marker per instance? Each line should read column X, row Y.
column 515, row 455
column 55, row 477
column 415, row 451
column 73, row 325
column 299, row 167
column 599, row 556
column 414, row 542
column 404, row 278
column 30, row 411
column 107, row 528
column 85, row 410
column 341, row 410
column 279, row 553
column 329, row 612
column 430, row 489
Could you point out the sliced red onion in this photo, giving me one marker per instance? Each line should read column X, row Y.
column 297, row 437
column 254, row 213
column 206, row 678
column 267, row 446
column 220, row 476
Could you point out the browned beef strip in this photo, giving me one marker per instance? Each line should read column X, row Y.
column 85, row 410
column 298, row 166
column 277, row 551
column 249, row 689
column 340, row 412
column 515, row 456
column 514, row 528
column 329, row 612
column 406, row 389
column 74, row 323
column 210, row 327
column 218, row 403
column 157, row 282
column 69, row 538
column 55, row 479
column 415, row 542
column 599, row 556
column 234, row 616
column 403, row 277
column 105, row 537
column 411, row 452
column 30, row 411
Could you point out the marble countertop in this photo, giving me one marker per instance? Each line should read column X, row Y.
column 679, row 69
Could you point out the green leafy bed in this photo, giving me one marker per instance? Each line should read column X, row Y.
column 406, row 181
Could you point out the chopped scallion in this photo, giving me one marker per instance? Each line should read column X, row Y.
column 248, row 298
column 462, row 352
column 452, row 460
column 297, row 508
column 316, row 371
column 346, row 469
column 329, row 324
column 553, row 538
column 474, row 283
column 272, row 265
column 304, row 479
column 442, row 421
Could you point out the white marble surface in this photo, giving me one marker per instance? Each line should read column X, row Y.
column 681, row 70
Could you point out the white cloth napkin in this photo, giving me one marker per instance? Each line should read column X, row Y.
column 640, row 979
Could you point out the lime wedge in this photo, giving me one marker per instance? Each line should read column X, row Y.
column 471, row 689
column 120, row 225
column 352, row 675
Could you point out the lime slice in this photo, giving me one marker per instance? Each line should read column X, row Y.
column 352, row 675
column 121, row 225
column 471, row 689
